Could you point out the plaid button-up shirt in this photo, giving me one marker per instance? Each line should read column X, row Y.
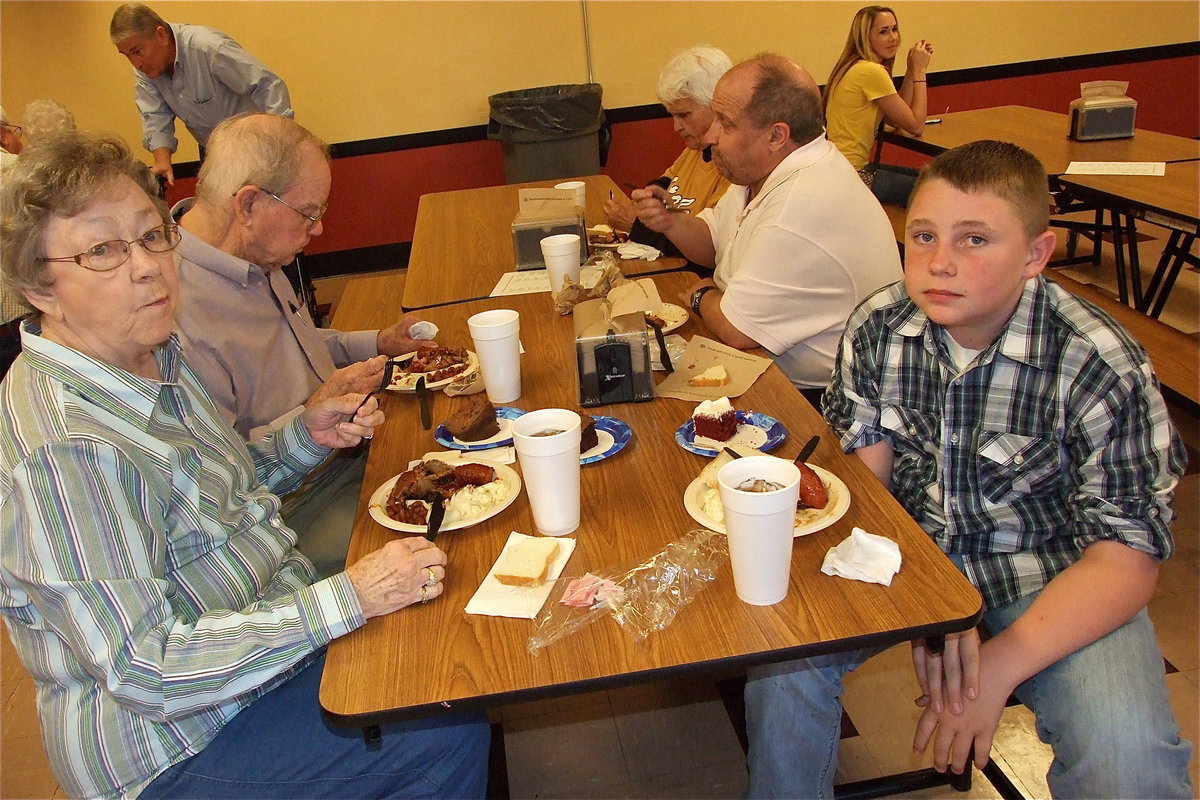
column 1054, row 437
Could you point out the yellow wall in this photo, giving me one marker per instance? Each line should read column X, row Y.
column 360, row 70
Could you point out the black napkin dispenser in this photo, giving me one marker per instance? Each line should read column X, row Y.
column 612, row 355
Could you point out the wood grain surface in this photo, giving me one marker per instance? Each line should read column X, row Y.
column 1043, row 133
column 463, row 243
column 429, row 658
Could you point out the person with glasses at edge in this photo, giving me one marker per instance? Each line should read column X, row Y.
column 12, row 309
column 260, row 198
column 193, row 73
column 174, row 633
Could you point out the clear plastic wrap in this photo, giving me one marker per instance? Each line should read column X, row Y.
column 642, row 598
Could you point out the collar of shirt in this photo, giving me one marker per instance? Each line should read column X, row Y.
column 1022, row 339
column 127, row 396
column 193, row 248
column 803, row 156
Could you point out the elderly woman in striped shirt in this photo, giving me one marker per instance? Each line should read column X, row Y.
column 149, row 585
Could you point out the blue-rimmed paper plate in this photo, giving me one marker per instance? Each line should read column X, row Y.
column 760, row 431
column 504, row 417
column 612, row 434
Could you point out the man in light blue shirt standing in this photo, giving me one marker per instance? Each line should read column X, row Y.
column 194, row 73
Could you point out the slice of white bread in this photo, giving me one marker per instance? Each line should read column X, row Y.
column 713, row 376
column 527, row 561
column 709, row 474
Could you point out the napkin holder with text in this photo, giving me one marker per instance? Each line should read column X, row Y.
column 1103, row 111
column 542, row 213
column 612, row 354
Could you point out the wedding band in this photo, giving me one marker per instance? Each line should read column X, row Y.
column 424, row 594
column 372, row 436
column 432, row 578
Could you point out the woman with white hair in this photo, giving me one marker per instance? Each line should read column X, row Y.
column 44, row 116
column 685, row 88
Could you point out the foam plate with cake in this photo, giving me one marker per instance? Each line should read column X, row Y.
column 440, row 366
column 715, row 424
column 612, row 435
column 475, row 436
column 468, row 504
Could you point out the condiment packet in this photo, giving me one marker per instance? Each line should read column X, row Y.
column 863, row 556
column 495, row 599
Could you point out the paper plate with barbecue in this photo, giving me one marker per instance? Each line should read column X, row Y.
column 702, row 498
column 472, row 492
column 439, row 365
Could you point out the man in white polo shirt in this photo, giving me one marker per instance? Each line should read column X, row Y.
column 797, row 242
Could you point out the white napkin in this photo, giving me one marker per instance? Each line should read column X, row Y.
column 496, row 455
column 422, row 330
column 495, row 599
column 635, row 250
column 864, row 556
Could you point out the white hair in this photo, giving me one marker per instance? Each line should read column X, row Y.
column 43, row 116
column 692, row 74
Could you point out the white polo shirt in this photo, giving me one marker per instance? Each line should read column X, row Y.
column 795, row 261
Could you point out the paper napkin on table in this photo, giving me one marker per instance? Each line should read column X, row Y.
column 864, row 556
column 496, row 599
column 635, row 250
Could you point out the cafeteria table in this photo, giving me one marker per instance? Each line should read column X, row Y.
column 462, row 243
column 1171, row 200
column 432, row 658
column 1043, row 133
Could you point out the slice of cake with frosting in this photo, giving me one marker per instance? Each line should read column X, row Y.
column 715, row 420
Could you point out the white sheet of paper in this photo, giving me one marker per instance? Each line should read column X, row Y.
column 1116, row 168
column 528, row 282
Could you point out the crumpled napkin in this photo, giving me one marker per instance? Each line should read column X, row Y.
column 635, row 250
column 495, row 599
column 423, row 330
column 864, row 556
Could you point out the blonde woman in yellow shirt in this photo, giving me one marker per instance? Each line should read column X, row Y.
column 860, row 88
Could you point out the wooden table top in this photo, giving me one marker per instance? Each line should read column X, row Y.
column 427, row 658
column 1043, row 133
column 463, row 244
column 1176, row 194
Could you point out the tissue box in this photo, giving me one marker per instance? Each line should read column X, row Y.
column 612, row 354
column 1102, row 118
column 529, row 228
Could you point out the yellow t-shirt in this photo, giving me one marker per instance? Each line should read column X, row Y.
column 852, row 116
column 695, row 183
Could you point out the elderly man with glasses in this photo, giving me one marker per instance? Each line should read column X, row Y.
column 262, row 192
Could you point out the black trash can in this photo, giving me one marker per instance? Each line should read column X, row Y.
column 548, row 132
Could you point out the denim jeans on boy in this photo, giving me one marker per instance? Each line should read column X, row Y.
column 281, row 747
column 1104, row 709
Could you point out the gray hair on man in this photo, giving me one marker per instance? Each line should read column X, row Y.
column 253, row 149
column 135, row 19
column 692, row 74
column 45, row 116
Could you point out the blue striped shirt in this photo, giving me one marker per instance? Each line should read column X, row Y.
column 149, row 585
column 1054, row 437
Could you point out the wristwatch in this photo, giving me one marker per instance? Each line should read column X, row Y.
column 697, row 296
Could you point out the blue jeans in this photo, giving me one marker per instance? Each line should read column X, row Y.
column 282, row 747
column 1103, row 709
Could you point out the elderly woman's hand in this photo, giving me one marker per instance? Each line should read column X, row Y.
column 334, row 423
column 402, row 572
column 620, row 213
